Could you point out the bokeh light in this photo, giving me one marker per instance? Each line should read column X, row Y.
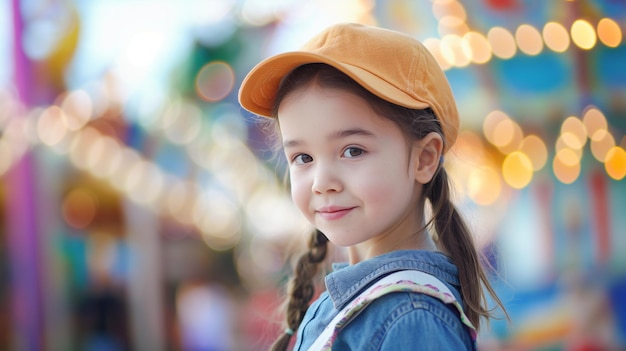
column 182, row 122
column 217, row 215
column 484, row 185
column 601, row 142
column 445, row 8
column 81, row 145
column 615, row 163
column 452, row 25
column 583, row 34
column 594, row 120
column 517, row 170
column 491, row 121
column 434, row 46
column 556, row 37
column 566, row 166
column 573, row 133
column 181, row 200
column 51, row 126
column 476, row 47
column 79, row 208
column 507, row 136
column 452, row 51
column 528, row 40
column 144, row 183
column 77, row 108
column 609, row 32
column 102, row 157
column 536, row 151
column 215, row 81
column 502, row 42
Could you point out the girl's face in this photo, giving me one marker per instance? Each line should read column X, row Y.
column 352, row 172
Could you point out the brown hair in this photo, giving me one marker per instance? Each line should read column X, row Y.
column 453, row 235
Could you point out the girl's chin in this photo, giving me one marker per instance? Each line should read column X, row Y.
column 341, row 240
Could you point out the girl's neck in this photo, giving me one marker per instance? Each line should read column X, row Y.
column 367, row 250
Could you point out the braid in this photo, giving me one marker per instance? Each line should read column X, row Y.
column 457, row 241
column 302, row 288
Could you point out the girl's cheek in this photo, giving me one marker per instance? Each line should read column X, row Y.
column 296, row 188
column 299, row 194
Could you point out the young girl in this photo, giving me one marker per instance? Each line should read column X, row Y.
column 365, row 115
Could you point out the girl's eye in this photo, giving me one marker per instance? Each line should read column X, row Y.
column 353, row 152
column 302, row 159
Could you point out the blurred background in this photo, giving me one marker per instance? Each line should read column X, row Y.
column 142, row 209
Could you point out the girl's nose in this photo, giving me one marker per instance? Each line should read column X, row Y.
column 326, row 179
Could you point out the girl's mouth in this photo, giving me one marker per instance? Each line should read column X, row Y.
column 333, row 213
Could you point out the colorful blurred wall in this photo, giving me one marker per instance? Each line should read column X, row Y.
column 142, row 209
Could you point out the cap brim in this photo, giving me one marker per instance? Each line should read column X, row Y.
column 258, row 89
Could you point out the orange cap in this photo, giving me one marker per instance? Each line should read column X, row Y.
column 391, row 65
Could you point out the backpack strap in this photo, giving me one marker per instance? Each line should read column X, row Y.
column 402, row 281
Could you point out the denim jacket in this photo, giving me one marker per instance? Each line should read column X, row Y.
column 398, row 321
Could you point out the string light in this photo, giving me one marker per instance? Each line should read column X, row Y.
column 451, row 17
column 525, row 155
column 138, row 178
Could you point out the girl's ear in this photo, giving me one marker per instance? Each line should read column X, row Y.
column 427, row 155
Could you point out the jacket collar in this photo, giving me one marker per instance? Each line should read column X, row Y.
column 346, row 281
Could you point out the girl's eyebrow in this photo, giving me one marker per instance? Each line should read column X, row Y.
column 350, row 132
column 337, row 135
column 291, row 143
